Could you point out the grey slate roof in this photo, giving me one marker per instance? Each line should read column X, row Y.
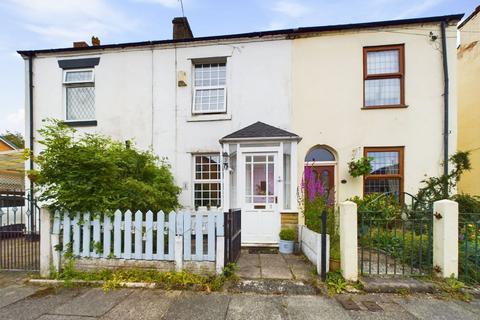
column 260, row 130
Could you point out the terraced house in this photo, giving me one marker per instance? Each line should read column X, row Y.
column 240, row 116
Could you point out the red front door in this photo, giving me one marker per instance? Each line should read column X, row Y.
column 326, row 175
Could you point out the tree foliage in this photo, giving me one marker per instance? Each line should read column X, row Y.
column 443, row 187
column 93, row 173
column 15, row 137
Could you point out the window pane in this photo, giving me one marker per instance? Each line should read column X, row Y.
column 209, row 100
column 384, row 162
column 320, row 154
column 80, row 103
column 207, row 190
column 380, row 92
column 213, row 74
column 76, row 76
column 379, row 62
column 382, row 186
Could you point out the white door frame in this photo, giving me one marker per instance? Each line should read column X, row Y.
column 277, row 151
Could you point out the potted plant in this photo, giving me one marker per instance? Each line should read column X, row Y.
column 360, row 167
column 287, row 238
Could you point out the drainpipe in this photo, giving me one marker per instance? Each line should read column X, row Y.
column 446, row 130
column 30, row 97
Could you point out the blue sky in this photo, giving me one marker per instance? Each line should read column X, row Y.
column 38, row 24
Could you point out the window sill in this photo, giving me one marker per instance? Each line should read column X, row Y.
column 209, row 117
column 81, row 123
column 396, row 106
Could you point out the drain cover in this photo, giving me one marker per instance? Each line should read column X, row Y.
column 372, row 306
column 349, row 304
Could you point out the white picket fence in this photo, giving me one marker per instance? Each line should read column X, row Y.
column 141, row 236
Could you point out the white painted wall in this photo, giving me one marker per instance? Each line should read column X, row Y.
column 137, row 97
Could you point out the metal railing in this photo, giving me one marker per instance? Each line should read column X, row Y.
column 395, row 236
column 469, row 247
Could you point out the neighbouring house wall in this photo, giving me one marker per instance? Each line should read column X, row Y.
column 469, row 102
column 137, row 97
column 327, row 79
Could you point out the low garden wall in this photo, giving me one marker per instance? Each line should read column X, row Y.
column 310, row 243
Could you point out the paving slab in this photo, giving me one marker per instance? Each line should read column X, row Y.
column 274, row 266
column 255, row 307
column 143, row 305
column 198, row 306
column 429, row 308
column 249, row 266
column 14, row 293
column 94, row 302
column 44, row 301
column 314, row 307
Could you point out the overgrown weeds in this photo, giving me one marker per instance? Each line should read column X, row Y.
column 168, row 280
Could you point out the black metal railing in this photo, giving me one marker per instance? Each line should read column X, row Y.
column 395, row 237
column 469, row 247
column 233, row 235
column 19, row 231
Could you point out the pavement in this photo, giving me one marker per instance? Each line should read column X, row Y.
column 19, row 300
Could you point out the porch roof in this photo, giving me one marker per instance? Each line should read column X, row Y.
column 260, row 131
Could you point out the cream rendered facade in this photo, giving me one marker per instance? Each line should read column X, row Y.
column 327, row 100
column 469, row 100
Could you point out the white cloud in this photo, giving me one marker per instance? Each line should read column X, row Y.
column 165, row 3
column 14, row 121
column 292, row 9
column 72, row 20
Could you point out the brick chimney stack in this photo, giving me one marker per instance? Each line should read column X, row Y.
column 181, row 28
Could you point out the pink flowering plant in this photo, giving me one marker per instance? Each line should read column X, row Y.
column 313, row 198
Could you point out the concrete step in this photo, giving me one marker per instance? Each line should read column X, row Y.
column 395, row 285
column 273, row 286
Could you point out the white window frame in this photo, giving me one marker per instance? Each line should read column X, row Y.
column 195, row 88
column 65, row 72
column 76, row 84
column 195, row 180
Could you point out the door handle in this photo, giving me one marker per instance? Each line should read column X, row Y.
column 276, row 199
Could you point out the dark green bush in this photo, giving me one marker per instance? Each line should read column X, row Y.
column 287, row 234
column 93, row 173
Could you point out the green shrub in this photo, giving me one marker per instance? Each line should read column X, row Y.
column 377, row 206
column 287, row 234
column 93, row 173
column 467, row 203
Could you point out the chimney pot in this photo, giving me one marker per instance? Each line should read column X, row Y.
column 181, row 28
column 80, row 44
column 95, row 41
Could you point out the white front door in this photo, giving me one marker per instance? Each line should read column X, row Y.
column 261, row 181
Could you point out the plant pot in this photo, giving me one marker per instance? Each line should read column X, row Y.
column 334, row 265
column 286, row 246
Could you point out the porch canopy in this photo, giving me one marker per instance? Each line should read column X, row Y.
column 260, row 176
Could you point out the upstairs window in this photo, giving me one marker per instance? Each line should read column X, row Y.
column 387, row 171
column 79, row 94
column 209, row 88
column 383, row 69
